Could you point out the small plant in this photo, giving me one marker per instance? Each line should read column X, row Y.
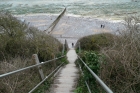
column 42, row 89
column 92, row 59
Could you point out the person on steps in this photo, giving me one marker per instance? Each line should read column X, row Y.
column 72, row 44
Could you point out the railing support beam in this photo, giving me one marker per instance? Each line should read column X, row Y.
column 63, row 49
column 36, row 60
column 79, row 47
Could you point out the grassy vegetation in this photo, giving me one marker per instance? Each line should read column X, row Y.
column 93, row 60
column 18, row 42
column 96, row 42
column 121, row 65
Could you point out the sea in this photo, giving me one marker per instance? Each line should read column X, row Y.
column 115, row 9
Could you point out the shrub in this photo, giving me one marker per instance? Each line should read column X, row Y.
column 17, row 39
column 18, row 42
column 122, row 57
column 96, row 42
column 92, row 60
column 123, row 60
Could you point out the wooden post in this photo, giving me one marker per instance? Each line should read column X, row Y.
column 79, row 48
column 66, row 45
column 54, row 62
column 63, row 49
column 36, row 60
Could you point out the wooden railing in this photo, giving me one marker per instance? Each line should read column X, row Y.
column 38, row 65
column 104, row 86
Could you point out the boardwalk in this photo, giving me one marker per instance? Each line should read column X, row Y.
column 66, row 80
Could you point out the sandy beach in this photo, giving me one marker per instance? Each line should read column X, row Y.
column 72, row 27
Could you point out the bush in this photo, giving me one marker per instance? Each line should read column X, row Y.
column 92, row 60
column 122, row 66
column 122, row 57
column 18, row 42
column 18, row 39
column 96, row 42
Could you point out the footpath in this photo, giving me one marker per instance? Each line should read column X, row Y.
column 66, row 80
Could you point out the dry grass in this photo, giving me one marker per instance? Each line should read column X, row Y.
column 18, row 42
column 24, row 81
column 121, row 70
column 21, row 82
